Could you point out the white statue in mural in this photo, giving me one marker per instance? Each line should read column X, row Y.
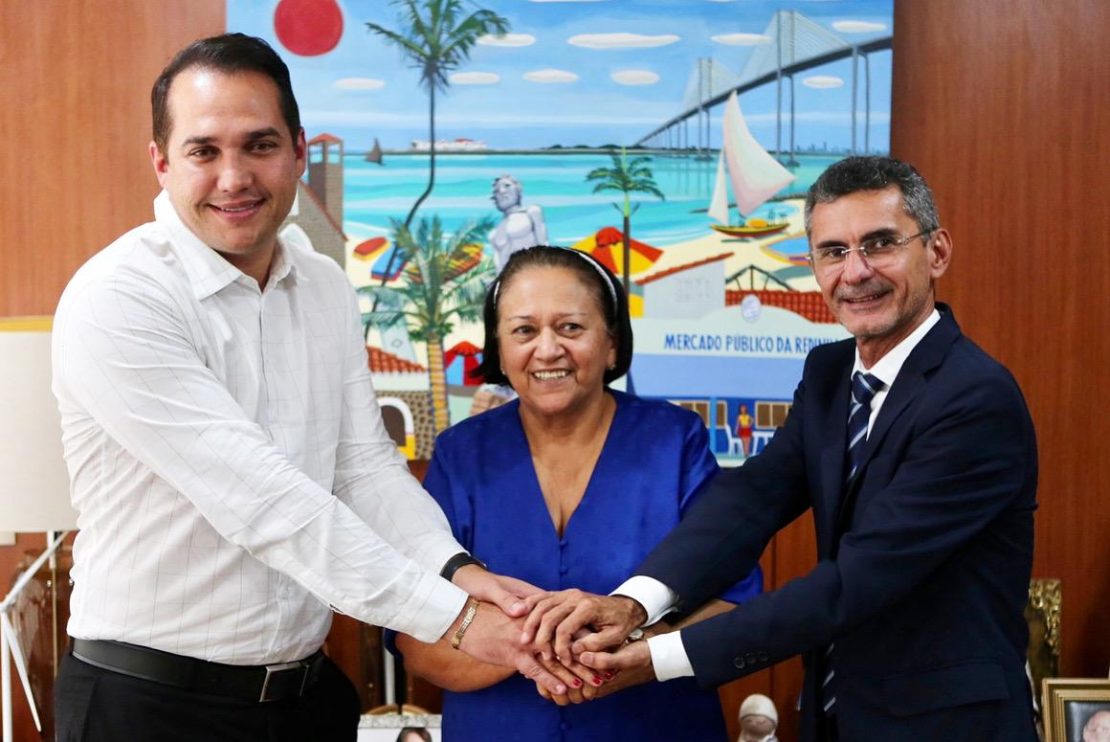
column 521, row 226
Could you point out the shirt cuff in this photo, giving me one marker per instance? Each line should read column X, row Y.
column 656, row 598
column 668, row 656
column 435, row 605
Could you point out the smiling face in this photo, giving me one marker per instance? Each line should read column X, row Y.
column 879, row 306
column 230, row 165
column 553, row 341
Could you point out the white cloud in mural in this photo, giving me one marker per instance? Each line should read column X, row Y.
column 741, row 39
column 359, row 83
column 550, row 76
column 823, row 82
column 509, row 39
column 858, row 26
column 635, row 77
column 474, row 78
column 621, row 40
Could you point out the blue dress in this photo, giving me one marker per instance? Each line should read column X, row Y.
column 652, row 467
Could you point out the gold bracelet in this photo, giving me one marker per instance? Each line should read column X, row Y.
column 471, row 612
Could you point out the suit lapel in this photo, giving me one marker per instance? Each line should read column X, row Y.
column 832, row 409
column 909, row 384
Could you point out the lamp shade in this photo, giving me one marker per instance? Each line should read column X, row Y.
column 34, row 483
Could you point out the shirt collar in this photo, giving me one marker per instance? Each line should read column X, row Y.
column 887, row 367
column 208, row 271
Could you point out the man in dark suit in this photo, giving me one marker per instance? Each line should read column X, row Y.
column 916, row 454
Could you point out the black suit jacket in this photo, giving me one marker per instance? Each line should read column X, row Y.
column 923, row 565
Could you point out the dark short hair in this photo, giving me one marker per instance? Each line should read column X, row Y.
column 418, row 731
column 873, row 173
column 229, row 53
column 604, row 286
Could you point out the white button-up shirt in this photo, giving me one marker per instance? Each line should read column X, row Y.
column 228, row 459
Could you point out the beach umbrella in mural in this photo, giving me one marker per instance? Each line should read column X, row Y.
column 470, row 356
column 607, row 246
column 367, row 249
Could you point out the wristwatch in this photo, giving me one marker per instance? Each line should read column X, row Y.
column 459, row 560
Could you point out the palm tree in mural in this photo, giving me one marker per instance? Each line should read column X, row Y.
column 445, row 279
column 626, row 176
column 437, row 38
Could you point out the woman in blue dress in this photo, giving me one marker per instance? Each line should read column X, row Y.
column 569, row 485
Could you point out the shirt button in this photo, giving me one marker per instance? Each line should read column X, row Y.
column 564, row 726
column 739, row 663
column 563, row 569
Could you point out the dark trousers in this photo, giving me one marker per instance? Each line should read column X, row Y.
column 96, row 705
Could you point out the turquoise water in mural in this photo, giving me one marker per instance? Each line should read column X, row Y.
column 557, row 182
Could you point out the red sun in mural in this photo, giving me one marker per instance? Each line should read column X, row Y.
column 308, row 27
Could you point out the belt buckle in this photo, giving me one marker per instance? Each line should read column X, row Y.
column 283, row 677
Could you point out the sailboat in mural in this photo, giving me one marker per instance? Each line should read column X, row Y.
column 754, row 174
column 375, row 154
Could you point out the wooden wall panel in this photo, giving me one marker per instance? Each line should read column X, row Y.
column 1004, row 107
column 75, row 118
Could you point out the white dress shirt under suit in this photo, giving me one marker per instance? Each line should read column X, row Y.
column 228, row 460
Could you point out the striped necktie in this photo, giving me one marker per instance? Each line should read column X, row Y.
column 864, row 389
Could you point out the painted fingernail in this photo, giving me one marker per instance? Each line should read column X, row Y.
column 577, row 683
column 597, row 680
column 609, row 675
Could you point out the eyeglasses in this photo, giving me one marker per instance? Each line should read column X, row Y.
column 877, row 251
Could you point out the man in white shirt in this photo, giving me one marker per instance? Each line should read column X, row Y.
column 228, row 460
column 915, row 452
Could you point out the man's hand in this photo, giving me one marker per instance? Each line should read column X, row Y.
column 492, row 637
column 632, row 660
column 507, row 593
column 557, row 618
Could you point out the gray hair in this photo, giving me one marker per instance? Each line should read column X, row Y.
column 854, row 174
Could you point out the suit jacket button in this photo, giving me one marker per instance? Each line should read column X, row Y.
column 739, row 663
column 750, row 657
column 763, row 657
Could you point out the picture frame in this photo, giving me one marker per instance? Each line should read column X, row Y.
column 1070, row 704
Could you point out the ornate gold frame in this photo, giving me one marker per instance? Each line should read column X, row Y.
column 1042, row 613
column 1059, row 692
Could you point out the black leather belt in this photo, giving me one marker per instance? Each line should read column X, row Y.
column 252, row 683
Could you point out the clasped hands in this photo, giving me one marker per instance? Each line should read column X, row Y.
column 572, row 631
column 573, row 644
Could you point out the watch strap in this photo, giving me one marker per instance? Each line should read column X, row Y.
column 457, row 562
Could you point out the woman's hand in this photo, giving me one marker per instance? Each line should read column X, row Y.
column 583, row 684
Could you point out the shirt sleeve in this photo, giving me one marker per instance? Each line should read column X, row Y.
column 125, row 359
column 373, row 478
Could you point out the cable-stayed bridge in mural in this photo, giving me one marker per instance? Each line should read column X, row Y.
column 794, row 44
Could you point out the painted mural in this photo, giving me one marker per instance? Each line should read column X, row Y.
column 672, row 139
